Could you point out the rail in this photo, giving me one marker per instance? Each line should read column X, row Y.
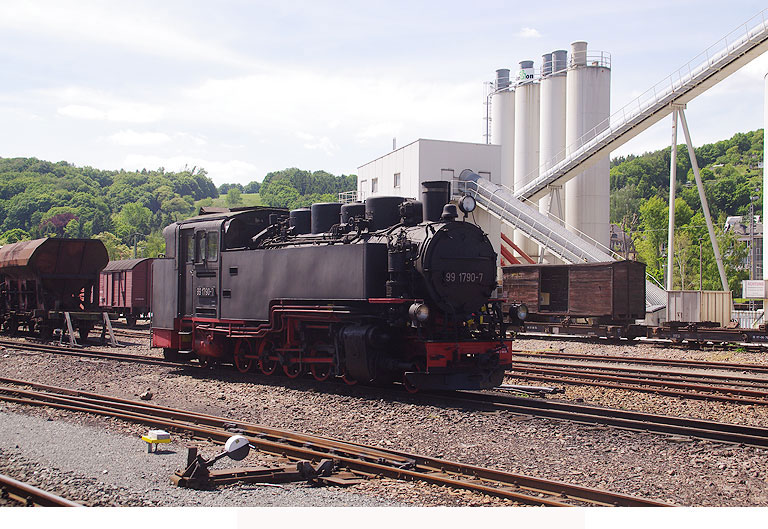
column 28, row 495
column 357, row 457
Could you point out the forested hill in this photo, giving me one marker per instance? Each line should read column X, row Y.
column 123, row 208
column 289, row 188
column 294, row 188
column 40, row 198
column 731, row 173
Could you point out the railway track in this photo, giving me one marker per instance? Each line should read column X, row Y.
column 94, row 353
column 626, row 419
column 743, row 384
column 363, row 459
column 678, row 426
column 646, row 360
column 703, row 343
column 24, row 494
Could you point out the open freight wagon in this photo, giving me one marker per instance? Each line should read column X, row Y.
column 600, row 292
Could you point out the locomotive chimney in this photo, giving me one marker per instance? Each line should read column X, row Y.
column 434, row 196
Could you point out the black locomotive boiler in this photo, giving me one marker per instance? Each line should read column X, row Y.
column 390, row 290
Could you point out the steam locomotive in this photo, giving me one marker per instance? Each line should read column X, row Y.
column 391, row 290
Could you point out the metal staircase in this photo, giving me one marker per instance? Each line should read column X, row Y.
column 563, row 243
column 710, row 67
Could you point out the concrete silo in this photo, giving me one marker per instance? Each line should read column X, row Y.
column 503, row 126
column 587, row 196
column 526, row 138
column 552, row 130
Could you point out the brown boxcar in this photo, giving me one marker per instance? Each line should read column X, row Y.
column 606, row 292
column 41, row 280
column 125, row 288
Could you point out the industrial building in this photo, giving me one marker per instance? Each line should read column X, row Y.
column 542, row 178
column 537, row 119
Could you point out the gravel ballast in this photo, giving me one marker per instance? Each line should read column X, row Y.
column 677, row 470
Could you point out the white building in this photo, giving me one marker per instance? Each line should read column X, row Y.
column 401, row 172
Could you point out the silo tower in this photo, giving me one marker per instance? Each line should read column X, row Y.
column 587, row 199
column 552, row 131
column 526, row 138
column 503, row 125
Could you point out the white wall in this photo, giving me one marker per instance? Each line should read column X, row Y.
column 427, row 160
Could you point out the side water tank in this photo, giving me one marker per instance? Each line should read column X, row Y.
column 325, row 215
column 301, row 220
column 353, row 209
column 383, row 212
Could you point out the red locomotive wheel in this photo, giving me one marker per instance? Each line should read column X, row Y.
column 348, row 380
column 410, row 388
column 292, row 370
column 321, row 372
column 244, row 357
column 267, row 364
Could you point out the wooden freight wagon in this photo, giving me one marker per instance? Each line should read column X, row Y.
column 125, row 288
column 603, row 292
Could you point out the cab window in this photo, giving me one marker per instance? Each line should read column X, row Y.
column 200, row 247
column 213, row 246
column 189, row 247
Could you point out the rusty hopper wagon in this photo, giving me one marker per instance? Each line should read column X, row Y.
column 125, row 288
column 604, row 293
column 42, row 281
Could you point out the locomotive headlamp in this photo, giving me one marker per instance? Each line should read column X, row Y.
column 419, row 312
column 467, row 204
column 518, row 313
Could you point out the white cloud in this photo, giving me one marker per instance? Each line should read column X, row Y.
column 130, row 138
column 529, row 33
column 96, row 105
column 82, row 112
column 230, row 171
column 131, row 28
column 363, row 107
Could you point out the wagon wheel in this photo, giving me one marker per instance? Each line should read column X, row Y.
column 293, row 370
column 267, row 364
column 11, row 326
column 244, row 357
column 82, row 330
column 205, row 361
column 130, row 320
column 321, row 371
column 45, row 331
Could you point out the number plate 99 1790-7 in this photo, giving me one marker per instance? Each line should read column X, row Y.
column 463, row 277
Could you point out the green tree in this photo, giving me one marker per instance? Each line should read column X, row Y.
column 115, row 248
column 132, row 219
column 14, row 235
column 234, row 197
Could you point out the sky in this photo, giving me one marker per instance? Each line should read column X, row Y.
column 241, row 88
